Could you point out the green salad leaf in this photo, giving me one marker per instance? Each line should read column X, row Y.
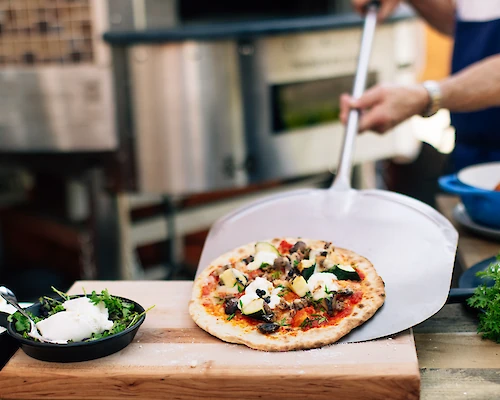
column 487, row 299
column 121, row 312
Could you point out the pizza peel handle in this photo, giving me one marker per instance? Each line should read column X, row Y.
column 343, row 177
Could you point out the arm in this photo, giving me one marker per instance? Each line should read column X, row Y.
column 384, row 106
column 473, row 88
column 440, row 14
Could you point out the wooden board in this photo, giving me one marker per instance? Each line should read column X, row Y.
column 172, row 358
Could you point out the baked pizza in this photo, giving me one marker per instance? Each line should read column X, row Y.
column 286, row 294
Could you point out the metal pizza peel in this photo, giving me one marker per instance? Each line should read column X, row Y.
column 410, row 244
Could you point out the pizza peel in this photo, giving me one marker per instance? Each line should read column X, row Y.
column 410, row 244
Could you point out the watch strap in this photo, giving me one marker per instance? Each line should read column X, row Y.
column 434, row 91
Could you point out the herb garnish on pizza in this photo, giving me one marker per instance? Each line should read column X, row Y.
column 286, row 294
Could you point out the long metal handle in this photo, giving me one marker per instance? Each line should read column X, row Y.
column 343, row 178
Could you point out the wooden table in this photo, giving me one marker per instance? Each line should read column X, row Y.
column 455, row 363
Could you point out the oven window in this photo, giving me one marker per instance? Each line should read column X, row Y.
column 192, row 11
column 305, row 104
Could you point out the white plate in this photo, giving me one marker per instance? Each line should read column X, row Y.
column 461, row 216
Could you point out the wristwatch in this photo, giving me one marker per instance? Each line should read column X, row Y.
column 434, row 91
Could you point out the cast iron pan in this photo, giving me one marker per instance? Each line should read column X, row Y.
column 73, row 352
column 468, row 282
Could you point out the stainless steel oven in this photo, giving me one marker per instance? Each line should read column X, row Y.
column 227, row 104
column 188, row 96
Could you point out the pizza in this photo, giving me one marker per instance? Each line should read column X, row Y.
column 286, row 294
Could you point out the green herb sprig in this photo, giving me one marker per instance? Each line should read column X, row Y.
column 487, row 299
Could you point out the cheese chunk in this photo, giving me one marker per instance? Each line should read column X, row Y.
column 261, row 284
column 322, row 284
column 81, row 319
column 262, row 257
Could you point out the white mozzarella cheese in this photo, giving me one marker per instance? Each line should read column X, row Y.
column 322, row 284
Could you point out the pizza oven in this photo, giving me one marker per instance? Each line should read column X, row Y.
column 221, row 101
column 181, row 97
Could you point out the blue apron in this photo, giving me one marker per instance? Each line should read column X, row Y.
column 477, row 133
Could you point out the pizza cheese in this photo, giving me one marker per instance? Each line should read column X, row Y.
column 286, row 294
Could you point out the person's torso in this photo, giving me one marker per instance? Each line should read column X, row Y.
column 477, row 36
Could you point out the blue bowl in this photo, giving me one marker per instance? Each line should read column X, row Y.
column 475, row 185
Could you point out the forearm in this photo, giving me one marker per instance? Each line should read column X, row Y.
column 440, row 14
column 474, row 88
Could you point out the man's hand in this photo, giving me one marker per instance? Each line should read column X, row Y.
column 385, row 106
column 386, row 7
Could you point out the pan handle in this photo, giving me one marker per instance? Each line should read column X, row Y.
column 343, row 178
column 3, row 319
column 459, row 295
column 451, row 184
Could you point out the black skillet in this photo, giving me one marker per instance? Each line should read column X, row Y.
column 468, row 282
column 78, row 351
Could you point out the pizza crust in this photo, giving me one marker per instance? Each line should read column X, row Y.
column 373, row 298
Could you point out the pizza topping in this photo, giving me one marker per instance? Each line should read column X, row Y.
column 219, row 271
column 294, row 271
column 253, row 308
column 263, row 289
column 299, row 246
column 265, row 247
column 268, row 328
column 330, row 305
column 284, row 247
column 248, row 260
column 231, row 306
column 299, row 304
column 300, row 318
column 232, row 278
column 265, row 254
column 322, row 285
column 299, row 286
column 345, row 272
column 282, row 263
column 345, row 292
column 306, row 268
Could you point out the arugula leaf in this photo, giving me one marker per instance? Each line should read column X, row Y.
column 65, row 296
column 22, row 323
column 306, row 323
column 488, row 300
column 329, row 291
column 275, row 275
column 309, row 321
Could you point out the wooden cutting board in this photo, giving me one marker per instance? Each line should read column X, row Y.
column 171, row 358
